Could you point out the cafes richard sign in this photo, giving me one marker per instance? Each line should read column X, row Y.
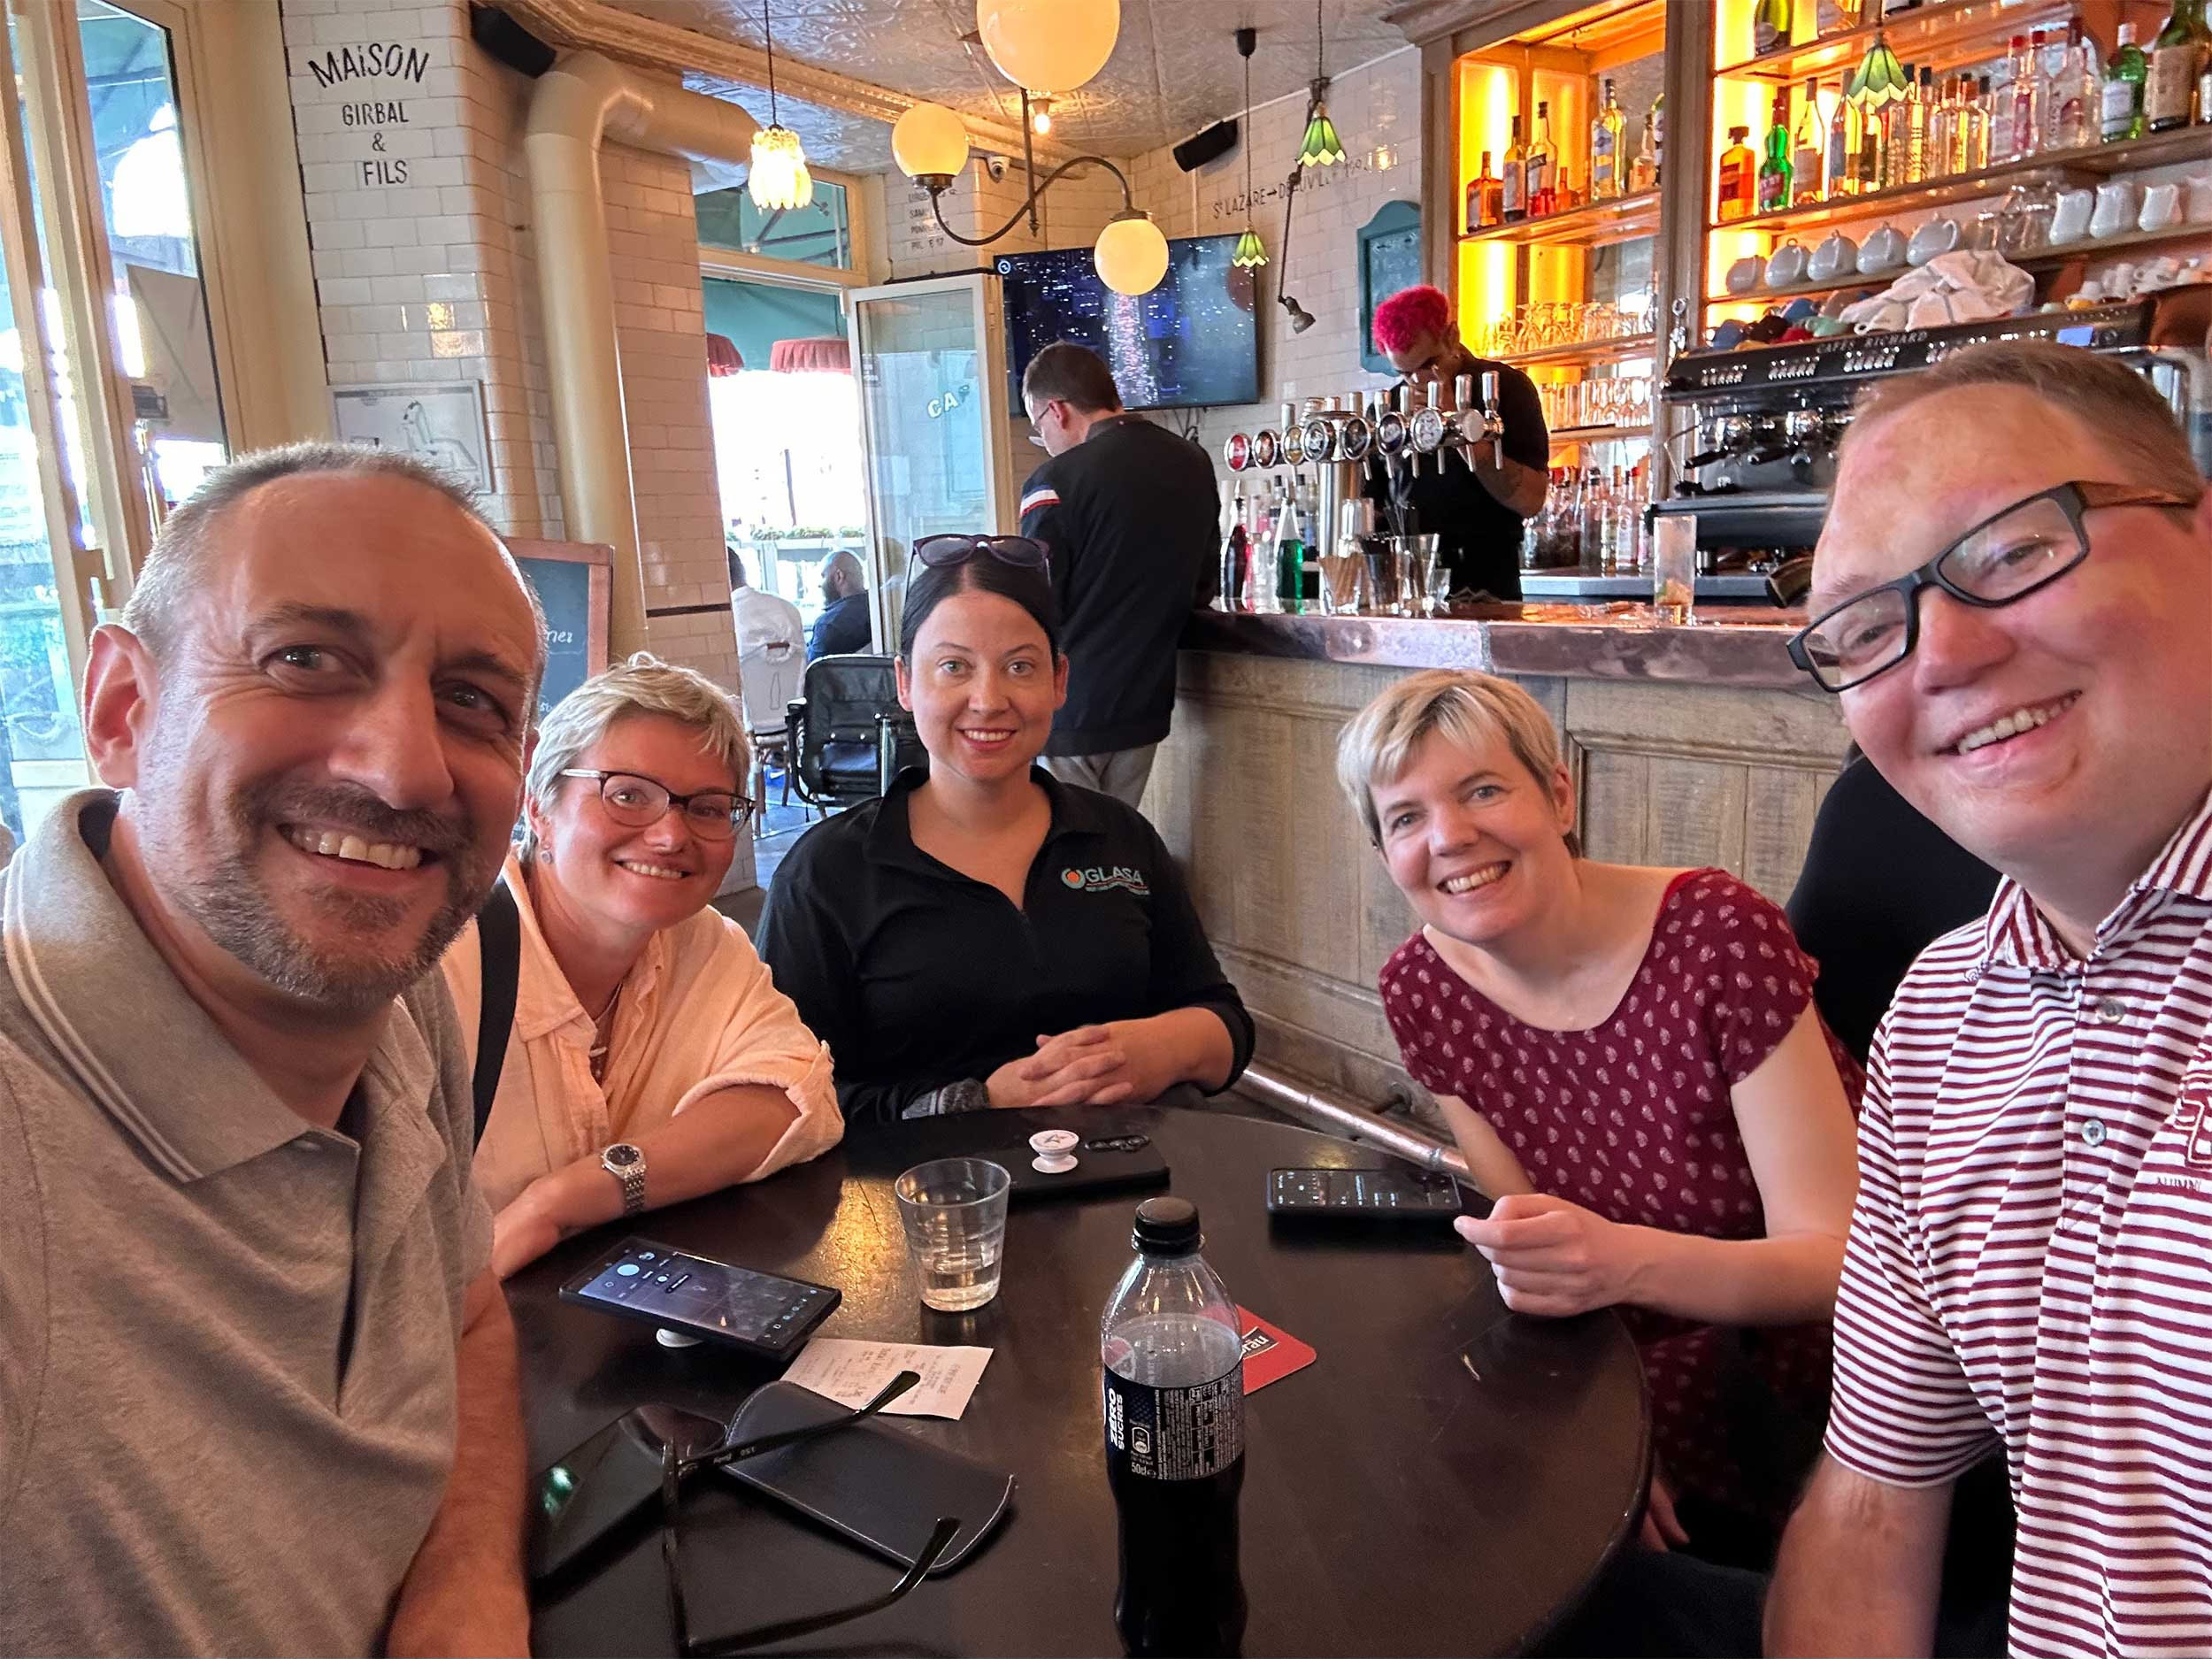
column 373, row 80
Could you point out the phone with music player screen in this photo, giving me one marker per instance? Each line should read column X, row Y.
column 1392, row 1195
column 764, row 1314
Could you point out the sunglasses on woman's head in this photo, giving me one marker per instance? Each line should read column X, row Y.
column 941, row 551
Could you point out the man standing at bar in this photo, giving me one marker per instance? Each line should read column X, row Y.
column 1473, row 501
column 1130, row 511
column 2013, row 595
column 257, row 1382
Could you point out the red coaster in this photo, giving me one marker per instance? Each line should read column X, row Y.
column 1271, row 1353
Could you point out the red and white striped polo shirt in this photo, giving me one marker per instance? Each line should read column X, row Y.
column 2031, row 1258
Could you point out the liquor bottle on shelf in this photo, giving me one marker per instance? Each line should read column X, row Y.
column 1236, row 554
column 2024, row 135
column 1872, row 131
column 1543, row 167
column 1513, row 184
column 1805, row 148
column 1736, row 164
column 1896, row 148
column 1590, row 532
column 2067, row 109
column 1770, row 25
column 1843, row 148
column 1290, row 560
column 1774, row 171
column 1486, row 198
column 2122, row 103
column 2177, row 54
column 1630, row 556
column 1943, row 127
column 1607, row 151
column 1643, row 174
column 1981, row 116
column 1919, row 108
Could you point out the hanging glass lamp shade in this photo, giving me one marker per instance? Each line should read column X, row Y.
column 1321, row 147
column 1879, row 79
column 1049, row 45
column 780, row 180
column 1249, row 251
column 928, row 141
column 1130, row 254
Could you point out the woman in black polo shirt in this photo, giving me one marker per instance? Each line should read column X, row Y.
column 984, row 935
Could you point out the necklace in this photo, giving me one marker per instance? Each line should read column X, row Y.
column 601, row 1028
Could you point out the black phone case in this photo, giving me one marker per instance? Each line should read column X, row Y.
column 1103, row 1164
column 875, row 1484
column 793, row 1341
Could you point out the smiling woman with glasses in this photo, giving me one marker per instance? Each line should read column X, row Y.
column 651, row 1058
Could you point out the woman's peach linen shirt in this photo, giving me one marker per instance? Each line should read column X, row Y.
column 698, row 1013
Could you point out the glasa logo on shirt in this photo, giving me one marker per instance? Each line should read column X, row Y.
column 1121, row 878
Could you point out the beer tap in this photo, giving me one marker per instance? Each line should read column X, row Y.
column 1292, row 445
column 1392, row 438
column 1355, row 433
column 1466, row 426
column 1428, row 429
column 1319, row 434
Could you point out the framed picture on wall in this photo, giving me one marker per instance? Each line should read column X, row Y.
column 1389, row 263
column 440, row 421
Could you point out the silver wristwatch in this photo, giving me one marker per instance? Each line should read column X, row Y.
column 626, row 1164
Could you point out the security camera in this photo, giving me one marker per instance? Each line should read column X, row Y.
column 995, row 165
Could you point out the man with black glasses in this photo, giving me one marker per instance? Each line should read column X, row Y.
column 2013, row 599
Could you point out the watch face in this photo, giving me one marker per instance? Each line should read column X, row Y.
column 622, row 1156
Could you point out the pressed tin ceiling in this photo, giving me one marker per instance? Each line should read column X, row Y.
column 1174, row 70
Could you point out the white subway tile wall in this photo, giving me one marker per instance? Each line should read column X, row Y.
column 419, row 212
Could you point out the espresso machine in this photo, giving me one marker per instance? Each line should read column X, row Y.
column 1762, row 424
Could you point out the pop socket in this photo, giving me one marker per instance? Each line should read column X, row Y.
column 1054, row 1149
column 667, row 1338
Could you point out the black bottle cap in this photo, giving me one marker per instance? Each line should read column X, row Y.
column 1166, row 1226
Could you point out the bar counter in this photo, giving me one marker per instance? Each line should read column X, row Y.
column 1727, row 645
column 1688, row 746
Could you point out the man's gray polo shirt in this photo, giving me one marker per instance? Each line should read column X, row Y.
column 227, row 1339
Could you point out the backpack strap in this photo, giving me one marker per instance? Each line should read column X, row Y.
column 499, row 937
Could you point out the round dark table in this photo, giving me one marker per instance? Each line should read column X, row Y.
column 1446, row 1477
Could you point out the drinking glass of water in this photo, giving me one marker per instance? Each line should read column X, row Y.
column 954, row 1214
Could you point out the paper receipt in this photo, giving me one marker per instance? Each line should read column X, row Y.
column 853, row 1372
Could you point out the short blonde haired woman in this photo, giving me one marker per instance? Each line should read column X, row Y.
column 1631, row 1061
column 652, row 1059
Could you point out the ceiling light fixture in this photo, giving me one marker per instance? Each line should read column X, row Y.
column 1320, row 147
column 1048, row 46
column 1040, row 116
column 779, row 182
column 931, row 147
column 1879, row 79
column 1248, row 251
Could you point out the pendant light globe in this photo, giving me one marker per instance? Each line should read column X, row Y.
column 1248, row 251
column 1132, row 254
column 1048, row 46
column 928, row 141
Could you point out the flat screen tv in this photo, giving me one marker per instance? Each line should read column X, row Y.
column 1189, row 342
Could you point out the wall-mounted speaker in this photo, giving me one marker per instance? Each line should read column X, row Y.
column 1195, row 152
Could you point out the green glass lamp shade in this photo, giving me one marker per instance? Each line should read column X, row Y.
column 1248, row 251
column 1322, row 147
column 1879, row 79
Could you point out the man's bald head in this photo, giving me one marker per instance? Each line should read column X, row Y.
column 842, row 574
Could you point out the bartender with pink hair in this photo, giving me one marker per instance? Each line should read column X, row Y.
column 1475, row 511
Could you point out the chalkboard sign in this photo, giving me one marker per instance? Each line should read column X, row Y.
column 1389, row 263
column 574, row 581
